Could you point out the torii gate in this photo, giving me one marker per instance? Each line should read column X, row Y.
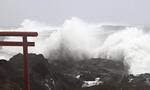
column 25, row 45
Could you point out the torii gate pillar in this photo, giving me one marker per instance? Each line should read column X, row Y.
column 25, row 45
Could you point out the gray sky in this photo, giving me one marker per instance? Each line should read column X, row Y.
column 13, row 12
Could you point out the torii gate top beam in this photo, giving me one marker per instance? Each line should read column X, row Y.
column 18, row 34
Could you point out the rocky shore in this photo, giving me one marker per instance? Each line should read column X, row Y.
column 93, row 74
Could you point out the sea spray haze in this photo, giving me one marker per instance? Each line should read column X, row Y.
column 78, row 40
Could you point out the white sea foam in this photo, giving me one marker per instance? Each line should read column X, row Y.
column 79, row 40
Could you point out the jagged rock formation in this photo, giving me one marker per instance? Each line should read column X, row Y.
column 7, row 76
column 69, row 74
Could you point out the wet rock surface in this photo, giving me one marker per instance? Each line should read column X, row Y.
column 70, row 74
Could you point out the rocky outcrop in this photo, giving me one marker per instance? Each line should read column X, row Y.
column 7, row 76
column 70, row 74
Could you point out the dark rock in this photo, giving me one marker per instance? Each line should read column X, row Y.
column 62, row 74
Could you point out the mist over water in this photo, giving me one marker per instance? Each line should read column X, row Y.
column 81, row 40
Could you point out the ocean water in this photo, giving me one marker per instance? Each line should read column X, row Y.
column 78, row 39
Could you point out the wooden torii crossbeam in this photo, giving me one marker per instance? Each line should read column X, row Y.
column 25, row 45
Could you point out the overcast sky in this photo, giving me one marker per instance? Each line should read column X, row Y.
column 13, row 12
